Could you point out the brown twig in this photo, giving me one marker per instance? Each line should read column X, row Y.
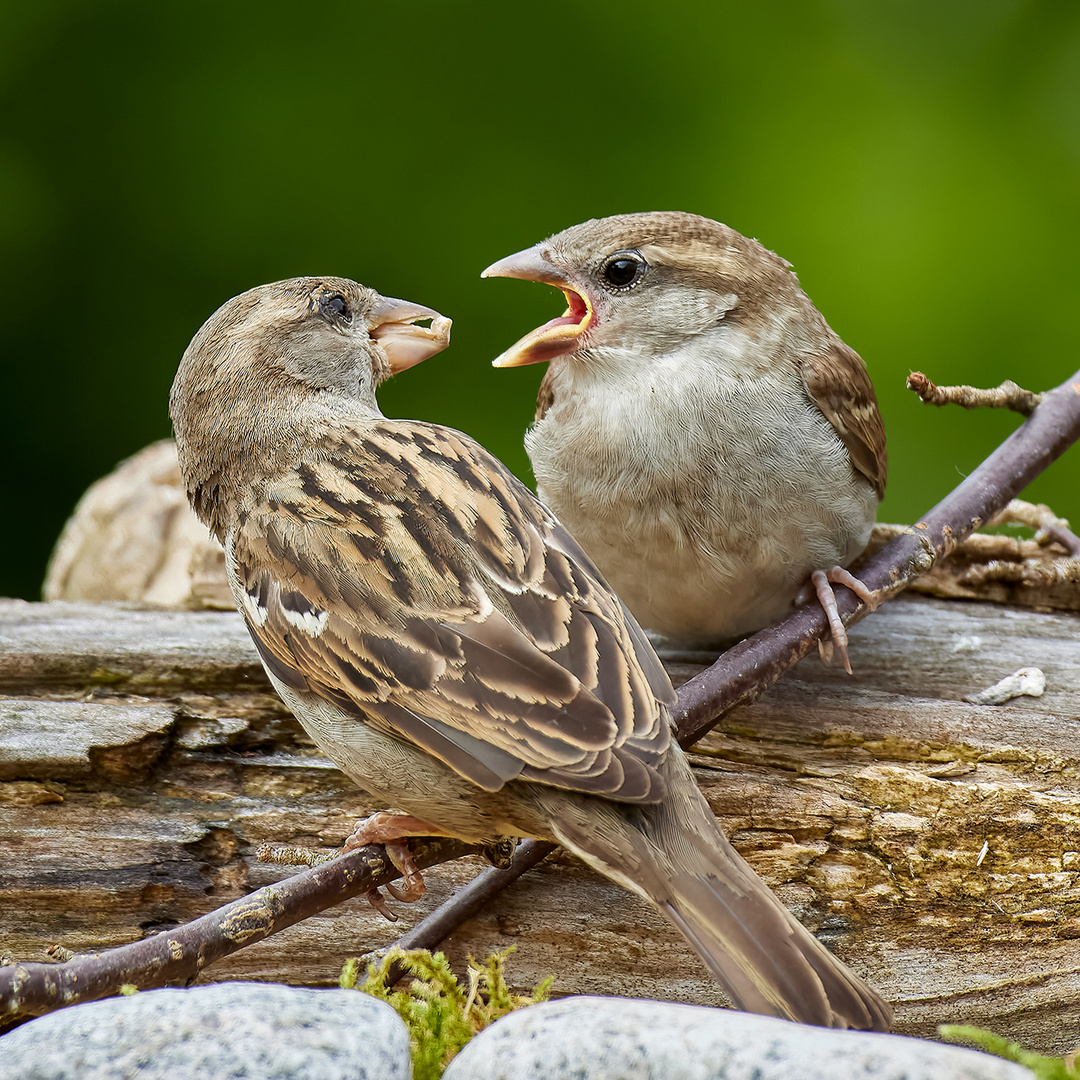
column 1062, row 572
column 467, row 901
column 1048, row 527
column 1006, row 396
column 739, row 676
column 176, row 957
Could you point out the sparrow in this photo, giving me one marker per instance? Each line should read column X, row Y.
column 444, row 639
column 701, row 430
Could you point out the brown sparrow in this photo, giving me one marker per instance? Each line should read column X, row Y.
column 704, row 434
column 445, row 640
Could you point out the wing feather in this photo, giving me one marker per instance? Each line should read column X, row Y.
column 839, row 385
column 405, row 575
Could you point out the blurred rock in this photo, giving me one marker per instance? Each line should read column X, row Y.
column 228, row 1031
column 133, row 537
column 609, row 1038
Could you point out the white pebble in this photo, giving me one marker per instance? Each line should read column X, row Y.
column 1027, row 682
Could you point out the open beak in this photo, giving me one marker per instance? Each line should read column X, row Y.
column 556, row 337
column 393, row 324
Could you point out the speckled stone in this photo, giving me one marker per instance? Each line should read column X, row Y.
column 224, row 1031
column 592, row 1038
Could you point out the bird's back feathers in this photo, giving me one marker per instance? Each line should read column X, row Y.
column 481, row 632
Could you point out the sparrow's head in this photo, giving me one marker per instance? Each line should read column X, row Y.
column 646, row 283
column 269, row 362
column 321, row 334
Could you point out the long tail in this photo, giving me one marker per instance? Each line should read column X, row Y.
column 675, row 856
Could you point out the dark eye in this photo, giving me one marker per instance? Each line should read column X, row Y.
column 624, row 270
column 332, row 305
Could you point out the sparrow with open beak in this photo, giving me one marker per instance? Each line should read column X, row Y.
column 701, row 430
column 444, row 639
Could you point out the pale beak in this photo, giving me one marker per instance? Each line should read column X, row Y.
column 392, row 323
column 557, row 337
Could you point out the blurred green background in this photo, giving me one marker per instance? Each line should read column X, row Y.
column 919, row 163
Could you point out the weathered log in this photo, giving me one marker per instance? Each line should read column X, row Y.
column 933, row 844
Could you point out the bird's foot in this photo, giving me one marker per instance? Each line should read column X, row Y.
column 822, row 581
column 390, row 830
column 501, row 853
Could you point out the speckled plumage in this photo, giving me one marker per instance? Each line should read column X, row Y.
column 448, row 644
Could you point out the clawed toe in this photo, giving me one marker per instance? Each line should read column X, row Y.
column 378, row 902
column 385, row 826
column 822, row 582
column 412, row 882
column 390, row 830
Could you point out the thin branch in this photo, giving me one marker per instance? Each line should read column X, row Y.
column 1048, row 527
column 468, row 901
column 1006, row 396
column 1061, row 572
column 739, row 676
column 176, row 956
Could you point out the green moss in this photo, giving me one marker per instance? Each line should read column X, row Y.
column 1045, row 1068
column 440, row 1013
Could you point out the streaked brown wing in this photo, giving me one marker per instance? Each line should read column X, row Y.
column 404, row 574
column 841, row 389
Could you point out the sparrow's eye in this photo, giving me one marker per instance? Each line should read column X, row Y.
column 624, row 270
column 333, row 306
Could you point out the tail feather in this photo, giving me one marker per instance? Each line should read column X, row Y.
column 675, row 856
column 766, row 960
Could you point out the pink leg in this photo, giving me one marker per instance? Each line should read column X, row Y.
column 389, row 829
column 823, row 581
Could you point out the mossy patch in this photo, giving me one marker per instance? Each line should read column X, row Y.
column 1045, row 1068
column 441, row 1014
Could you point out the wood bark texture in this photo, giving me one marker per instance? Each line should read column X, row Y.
column 933, row 844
